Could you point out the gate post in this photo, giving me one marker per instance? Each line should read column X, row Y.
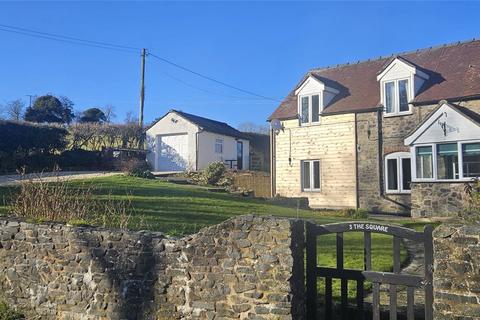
column 428, row 272
column 311, row 252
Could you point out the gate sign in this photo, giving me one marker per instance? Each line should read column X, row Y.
column 368, row 227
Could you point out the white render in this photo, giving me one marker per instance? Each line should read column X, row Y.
column 175, row 144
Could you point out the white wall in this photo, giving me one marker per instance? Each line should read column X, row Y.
column 206, row 152
column 172, row 124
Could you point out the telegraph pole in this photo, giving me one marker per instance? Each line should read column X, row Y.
column 31, row 96
column 142, row 88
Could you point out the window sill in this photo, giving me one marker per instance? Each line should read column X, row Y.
column 311, row 191
column 393, row 115
column 398, row 193
column 311, row 124
column 463, row 180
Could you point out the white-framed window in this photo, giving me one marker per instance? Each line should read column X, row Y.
column 396, row 95
column 447, row 161
column 218, row 145
column 310, row 175
column 398, row 172
column 309, row 108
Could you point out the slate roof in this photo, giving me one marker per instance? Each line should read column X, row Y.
column 212, row 125
column 453, row 70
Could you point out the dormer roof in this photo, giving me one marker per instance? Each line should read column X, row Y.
column 401, row 62
column 453, row 74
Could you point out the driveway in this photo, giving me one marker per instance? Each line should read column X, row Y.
column 13, row 179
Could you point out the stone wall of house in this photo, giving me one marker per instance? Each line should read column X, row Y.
column 439, row 199
column 247, row 267
column 393, row 132
column 457, row 272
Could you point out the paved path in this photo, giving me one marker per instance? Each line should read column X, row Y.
column 13, row 179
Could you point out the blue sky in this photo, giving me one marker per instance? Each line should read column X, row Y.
column 264, row 47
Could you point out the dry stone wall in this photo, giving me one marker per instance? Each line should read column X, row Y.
column 457, row 272
column 245, row 268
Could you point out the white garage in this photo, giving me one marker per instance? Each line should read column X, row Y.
column 172, row 152
column 182, row 142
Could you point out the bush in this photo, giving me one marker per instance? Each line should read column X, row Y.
column 213, row 173
column 25, row 144
column 138, row 168
column 7, row 313
column 472, row 210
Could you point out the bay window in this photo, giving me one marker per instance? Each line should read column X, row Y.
column 310, row 109
column 447, row 161
column 398, row 172
column 471, row 159
column 424, row 162
column 310, row 175
column 396, row 96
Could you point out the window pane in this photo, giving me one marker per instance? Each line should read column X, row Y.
column 471, row 159
column 306, row 175
column 424, row 162
column 389, row 97
column 403, row 95
column 406, row 174
column 392, row 174
column 315, row 108
column 305, row 117
column 316, row 174
column 218, row 146
column 447, row 161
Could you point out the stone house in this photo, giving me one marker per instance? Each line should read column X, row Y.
column 398, row 134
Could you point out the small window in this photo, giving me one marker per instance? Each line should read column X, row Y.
column 403, row 95
column 390, row 97
column 424, row 162
column 218, row 146
column 398, row 172
column 310, row 175
column 471, row 160
column 447, row 161
column 305, row 110
column 396, row 96
column 310, row 109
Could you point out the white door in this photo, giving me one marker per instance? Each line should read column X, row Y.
column 172, row 152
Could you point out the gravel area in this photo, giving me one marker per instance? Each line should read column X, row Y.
column 14, row 179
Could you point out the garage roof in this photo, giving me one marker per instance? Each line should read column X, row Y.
column 212, row 125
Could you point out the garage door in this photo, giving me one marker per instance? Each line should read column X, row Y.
column 172, row 152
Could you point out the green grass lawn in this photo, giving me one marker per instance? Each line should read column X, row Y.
column 183, row 209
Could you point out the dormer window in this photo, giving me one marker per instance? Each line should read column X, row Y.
column 310, row 109
column 313, row 96
column 396, row 97
column 399, row 81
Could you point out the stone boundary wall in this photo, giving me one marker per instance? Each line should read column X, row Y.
column 457, row 272
column 248, row 267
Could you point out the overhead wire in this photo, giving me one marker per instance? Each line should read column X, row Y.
column 131, row 49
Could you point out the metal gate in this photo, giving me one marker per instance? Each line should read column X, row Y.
column 393, row 279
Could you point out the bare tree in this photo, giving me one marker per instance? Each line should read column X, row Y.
column 130, row 118
column 15, row 109
column 253, row 127
column 109, row 112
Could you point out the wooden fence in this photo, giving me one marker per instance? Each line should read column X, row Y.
column 258, row 182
